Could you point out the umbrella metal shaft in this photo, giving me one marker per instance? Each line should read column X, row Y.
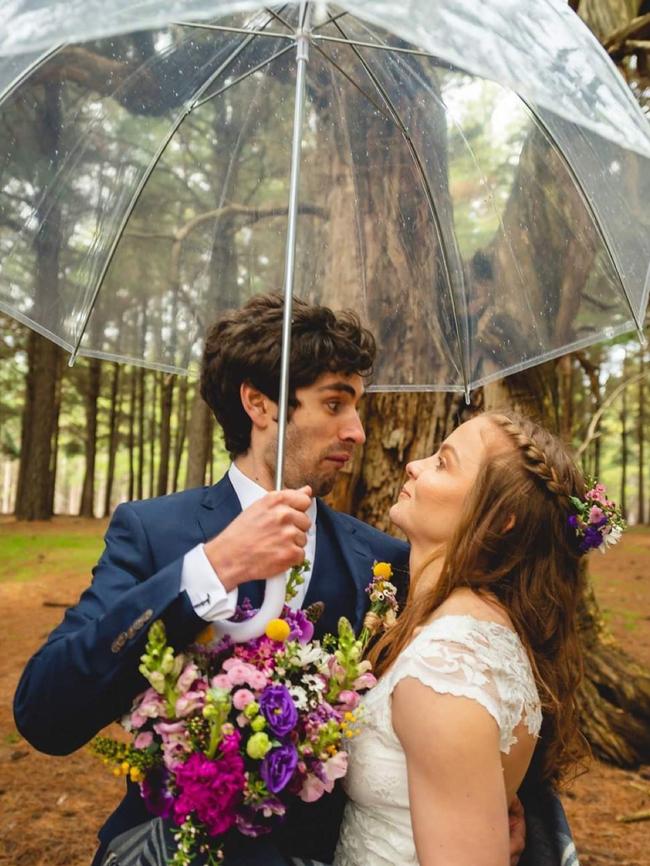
column 302, row 53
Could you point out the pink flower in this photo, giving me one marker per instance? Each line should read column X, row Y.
column 335, row 768
column 175, row 742
column 143, row 740
column 187, row 678
column 149, row 705
column 596, row 514
column 365, row 681
column 312, row 789
column 242, row 698
column 190, row 702
column 221, row 681
column 349, row 698
column 241, row 673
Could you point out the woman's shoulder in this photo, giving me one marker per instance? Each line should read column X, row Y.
column 467, row 605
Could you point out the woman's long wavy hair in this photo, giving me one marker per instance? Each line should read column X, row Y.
column 532, row 568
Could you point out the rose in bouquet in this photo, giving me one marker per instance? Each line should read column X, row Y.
column 228, row 734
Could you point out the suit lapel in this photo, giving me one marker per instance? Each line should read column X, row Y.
column 219, row 507
column 357, row 555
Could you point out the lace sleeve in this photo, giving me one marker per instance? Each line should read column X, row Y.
column 480, row 660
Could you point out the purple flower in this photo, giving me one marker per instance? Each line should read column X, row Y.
column 573, row 520
column 279, row 710
column 592, row 538
column 302, row 628
column 210, row 789
column 156, row 795
column 278, row 767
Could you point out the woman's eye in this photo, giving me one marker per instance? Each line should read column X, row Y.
column 440, row 464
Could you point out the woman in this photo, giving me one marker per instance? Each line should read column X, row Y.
column 478, row 677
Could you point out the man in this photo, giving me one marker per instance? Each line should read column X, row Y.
column 184, row 558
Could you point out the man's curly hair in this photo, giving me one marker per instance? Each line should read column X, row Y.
column 244, row 345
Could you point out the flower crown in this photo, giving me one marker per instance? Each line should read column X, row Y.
column 598, row 522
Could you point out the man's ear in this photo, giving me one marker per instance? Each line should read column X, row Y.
column 256, row 405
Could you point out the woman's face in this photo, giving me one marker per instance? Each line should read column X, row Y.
column 431, row 502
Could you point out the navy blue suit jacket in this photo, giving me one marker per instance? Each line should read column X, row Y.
column 86, row 675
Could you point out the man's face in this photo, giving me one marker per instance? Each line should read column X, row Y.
column 322, row 432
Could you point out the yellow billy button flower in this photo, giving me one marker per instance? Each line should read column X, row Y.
column 278, row 630
column 135, row 774
column 382, row 570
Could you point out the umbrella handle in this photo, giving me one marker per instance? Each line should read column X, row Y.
column 255, row 626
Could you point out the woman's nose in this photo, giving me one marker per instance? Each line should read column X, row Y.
column 412, row 468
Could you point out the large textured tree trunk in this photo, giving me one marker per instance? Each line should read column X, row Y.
column 33, row 496
column 93, row 384
column 35, row 479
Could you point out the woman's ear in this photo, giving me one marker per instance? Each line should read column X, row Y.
column 256, row 405
column 509, row 524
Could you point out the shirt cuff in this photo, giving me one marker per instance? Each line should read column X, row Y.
column 206, row 592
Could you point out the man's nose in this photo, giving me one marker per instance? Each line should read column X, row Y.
column 353, row 431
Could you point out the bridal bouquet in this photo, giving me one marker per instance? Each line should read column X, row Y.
column 227, row 734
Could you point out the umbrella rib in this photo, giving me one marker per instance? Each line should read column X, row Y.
column 33, row 66
column 429, row 195
column 592, row 212
column 394, row 49
column 279, row 18
column 143, row 182
column 222, row 28
column 377, row 105
column 244, row 76
column 329, row 21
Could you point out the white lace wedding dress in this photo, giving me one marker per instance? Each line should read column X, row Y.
column 458, row 655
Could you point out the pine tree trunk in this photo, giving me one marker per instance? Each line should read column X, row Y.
column 199, row 439
column 624, row 447
column 152, row 433
column 641, row 439
column 181, row 431
column 34, row 492
column 131, row 434
column 35, row 483
column 87, row 505
column 140, row 424
column 166, row 401
column 55, row 440
column 113, row 435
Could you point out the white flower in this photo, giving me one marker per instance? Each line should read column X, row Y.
column 307, row 655
column 299, row 696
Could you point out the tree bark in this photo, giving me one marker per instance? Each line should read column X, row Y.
column 181, row 430
column 152, row 433
column 199, row 439
column 113, row 436
column 34, row 491
column 624, row 446
column 140, row 424
column 641, row 439
column 166, row 401
column 93, row 385
column 35, row 482
column 131, row 437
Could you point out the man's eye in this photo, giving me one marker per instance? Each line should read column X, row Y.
column 333, row 405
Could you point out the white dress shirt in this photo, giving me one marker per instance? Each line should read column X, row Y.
column 208, row 595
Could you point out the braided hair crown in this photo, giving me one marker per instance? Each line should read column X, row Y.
column 537, row 448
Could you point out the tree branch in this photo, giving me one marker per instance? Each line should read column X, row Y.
column 593, row 424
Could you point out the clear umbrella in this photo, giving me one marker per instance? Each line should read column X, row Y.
column 472, row 179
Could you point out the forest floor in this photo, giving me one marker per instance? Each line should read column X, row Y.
column 51, row 808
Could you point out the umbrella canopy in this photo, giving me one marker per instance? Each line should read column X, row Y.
column 474, row 178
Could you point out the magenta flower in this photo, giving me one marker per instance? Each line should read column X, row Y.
column 596, row 515
column 211, row 790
